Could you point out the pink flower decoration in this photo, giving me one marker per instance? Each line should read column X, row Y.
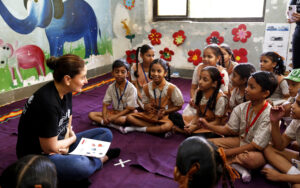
column 240, row 55
column 215, row 38
column 240, row 33
column 154, row 37
column 166, row 54
column 131, row 56
column 195, row 57
column 179, row 37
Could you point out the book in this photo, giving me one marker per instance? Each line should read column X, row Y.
column 91, row 148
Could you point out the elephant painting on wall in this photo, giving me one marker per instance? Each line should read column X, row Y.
column 66, row 21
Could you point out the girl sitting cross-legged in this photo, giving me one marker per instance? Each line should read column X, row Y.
column 160, row 98
column 210, row 101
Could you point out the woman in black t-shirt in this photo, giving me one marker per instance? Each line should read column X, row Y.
column 296, row 35
column 45, row 125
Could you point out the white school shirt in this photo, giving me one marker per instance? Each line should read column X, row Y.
column 259, row 133
column 129, row 98
column 176, row 98
column 221, row 104
column 293, row 130
column 282, row 89
column 235, row 98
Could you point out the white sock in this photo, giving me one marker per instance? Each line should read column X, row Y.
column 296, row 163
column 269, row 166
column 102, row 122
column 118, row 127
column 293, row 170
column 246, row 176
column 131, row 129
column 168, row 134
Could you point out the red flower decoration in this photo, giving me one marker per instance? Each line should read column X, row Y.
column 215, row 38
column 179, row 37
column 240, row 55
column 131, row 56
column 241, row 33
column 166, row 54
column 195, row 57
column 154, row 37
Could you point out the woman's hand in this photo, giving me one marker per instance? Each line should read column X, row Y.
column 63, row 151
column 73, row 135
column 296, row 17
column 276, row 113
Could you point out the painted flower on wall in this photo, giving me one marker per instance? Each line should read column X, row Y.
column 154, row 37
column 129, row 4
column 240, row 55
column 215, row 38
column 166, row 54
column 195, row 57
column 179, row 37
column 240, row 33
column 131, row 56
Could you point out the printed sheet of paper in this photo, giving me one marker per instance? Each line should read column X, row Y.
column 277, row 39
column 91, row 148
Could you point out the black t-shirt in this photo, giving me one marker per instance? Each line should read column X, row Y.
column 296, row 2
column 44, row 115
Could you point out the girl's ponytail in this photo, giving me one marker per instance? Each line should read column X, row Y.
column 280, row 67
column 137, row 62
column 168, row 78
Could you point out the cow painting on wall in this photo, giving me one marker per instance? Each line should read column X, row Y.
column 25, row 57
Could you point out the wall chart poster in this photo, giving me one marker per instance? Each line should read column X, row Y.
column 277, row 39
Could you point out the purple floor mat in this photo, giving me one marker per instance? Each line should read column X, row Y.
column 152, row 157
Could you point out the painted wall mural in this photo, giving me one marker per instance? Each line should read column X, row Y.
column 25, row 57
column 46, row 28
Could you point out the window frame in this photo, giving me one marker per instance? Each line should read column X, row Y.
column 157, row 18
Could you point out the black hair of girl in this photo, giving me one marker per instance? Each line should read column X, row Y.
column 266, row 80
column 197, row 150
column 279, row 69
column 30, row 171
column 120, row 63
column 244, row 70
column 217, row 52
column 215, row 75
column 143, row 49
column 68, row 64
column 228, row 50
column 165, row 66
